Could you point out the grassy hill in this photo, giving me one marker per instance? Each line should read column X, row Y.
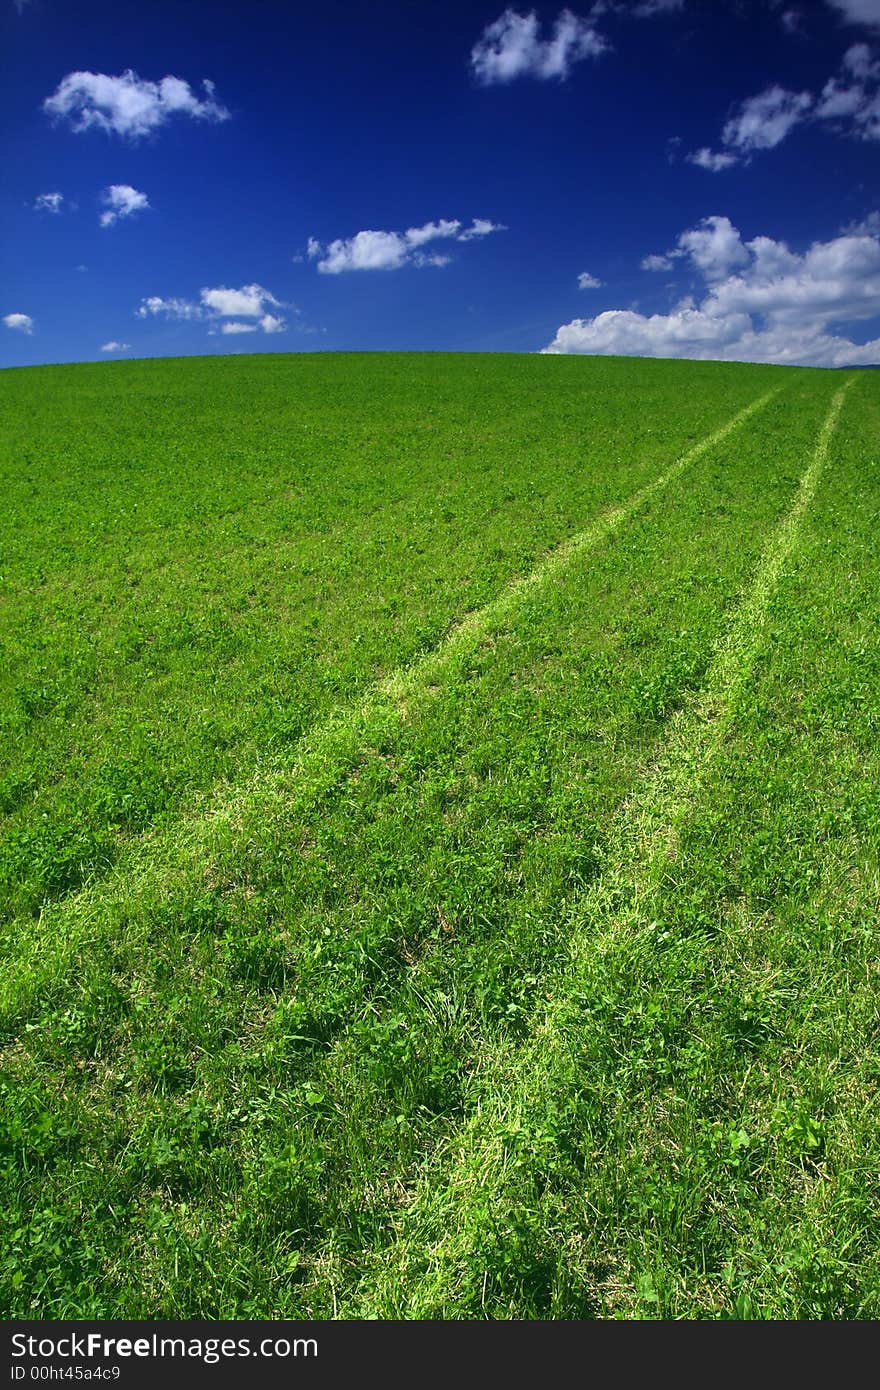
column 439, row 828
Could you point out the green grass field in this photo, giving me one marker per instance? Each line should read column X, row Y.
column 439, row 839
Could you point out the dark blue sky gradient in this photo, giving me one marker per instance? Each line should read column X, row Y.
column 351, row 116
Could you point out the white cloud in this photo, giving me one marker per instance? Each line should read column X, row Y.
column 849, row 103
column 168, row 308
column 375, row 250
column 248, row 302
column 763, row 121
column 120, row 201
column 713, row 160
column 417, row 236
column 480, row 226
column 511, row 47
column 586, row 281
column 714, row 247
column 128, row 105
column 865, row 12
column 113, row 346
column 366, row 250
column 23, row 323
column 762, row 303
column 49, row 202
column 851, row 100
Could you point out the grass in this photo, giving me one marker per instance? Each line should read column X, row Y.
column 482, row 919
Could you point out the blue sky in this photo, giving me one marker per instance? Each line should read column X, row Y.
column 660, row 177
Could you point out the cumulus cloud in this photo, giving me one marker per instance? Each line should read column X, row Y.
column 113, row 346
column 127, row 105
column 366, row 250
column 376, row 250
column 512, row 47
column 762, row 302
column 714, row 247
column 120, row 201
column 49, row 202
column 22, row 323
column 249, row 302
column 586, row 281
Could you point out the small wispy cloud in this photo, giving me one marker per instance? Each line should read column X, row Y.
column 21, row 323
column 512, row 47
column 249, row 302
column 764, row 121
column 49, row 202
column 480, row 226
column 849, row 104
column 713, row 160
column 243, row 310
column 647, row 9
column 586, row 281
column 156, row 307
column 121, row 201
column 127, row 105
column 113, row 346
column 379, row 250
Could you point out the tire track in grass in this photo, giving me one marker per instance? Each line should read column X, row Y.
column 169, row 864
column 463, row 1194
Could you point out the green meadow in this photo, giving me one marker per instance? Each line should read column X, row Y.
column 439, row 839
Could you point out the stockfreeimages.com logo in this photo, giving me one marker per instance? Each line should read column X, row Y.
column 210, row 1350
